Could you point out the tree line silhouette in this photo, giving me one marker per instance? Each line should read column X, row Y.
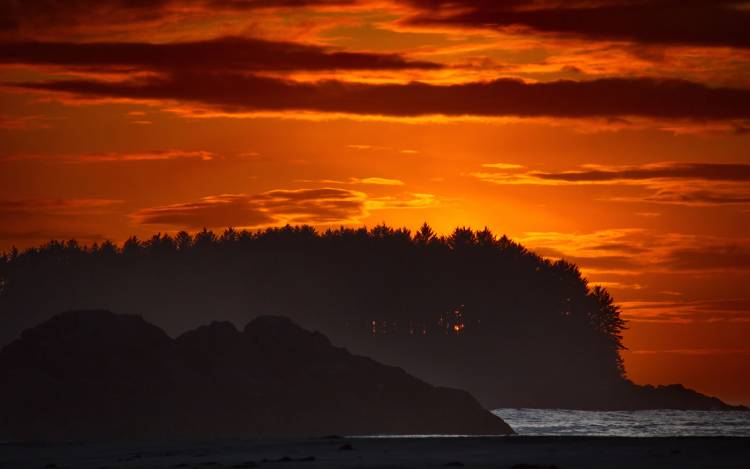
column 470, row 309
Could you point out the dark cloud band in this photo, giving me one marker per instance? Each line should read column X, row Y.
column 651, row 98
column 223, row 54
column 694, row 171
column 688, row 184
column 673, row 22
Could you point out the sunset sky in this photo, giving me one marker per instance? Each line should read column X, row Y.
column 613, row 133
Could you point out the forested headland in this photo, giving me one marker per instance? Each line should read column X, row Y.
column 471, row 309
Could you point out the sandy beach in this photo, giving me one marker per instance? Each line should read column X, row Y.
column 476, row 452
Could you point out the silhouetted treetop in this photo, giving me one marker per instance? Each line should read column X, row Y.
column 449, row 308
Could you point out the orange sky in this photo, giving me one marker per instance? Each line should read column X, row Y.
column 621, row 145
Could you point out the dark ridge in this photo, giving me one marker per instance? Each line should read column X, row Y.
column 95, row 375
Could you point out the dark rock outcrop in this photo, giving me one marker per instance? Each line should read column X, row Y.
column 672, row 396
column 99, row 375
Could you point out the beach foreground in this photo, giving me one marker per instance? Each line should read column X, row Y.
column 497, row 452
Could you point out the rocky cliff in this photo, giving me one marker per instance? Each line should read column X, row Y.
column 99, row 375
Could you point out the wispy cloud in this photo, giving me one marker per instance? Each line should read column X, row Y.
column 602, row 174
column 692, row 184
column 503, row 166
column 645, row 22
column 154, row 155
column 639, row 251
column 415, row 200
column 226, row 54
column 376, row 181
column 603, row 98
column 94, row 18
column 705, row 23
column 10, row 209
column 686, row 311
column 42, row 219
column 638, row 263
column 694, row 351
column 311, row 206
column 366, row 147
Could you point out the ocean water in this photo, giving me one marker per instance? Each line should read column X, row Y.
column 627, row 423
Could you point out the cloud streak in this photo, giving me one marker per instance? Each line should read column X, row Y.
column 694, row 351
column 216, row 55
column 702, row 171
column 615, row 97
column 375, row 181
column 732, row 310
column 90, row 17
column 12, row 210
column 647, row 260
column 318, row 206
column 601, row 174
column 42, row 219
column 146, row 156
column 662, row 22
column 670, row 22
column 639, row 251
column 690, row 184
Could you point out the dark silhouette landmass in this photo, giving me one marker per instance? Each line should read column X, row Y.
column 98, row 375
column 470, row 310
